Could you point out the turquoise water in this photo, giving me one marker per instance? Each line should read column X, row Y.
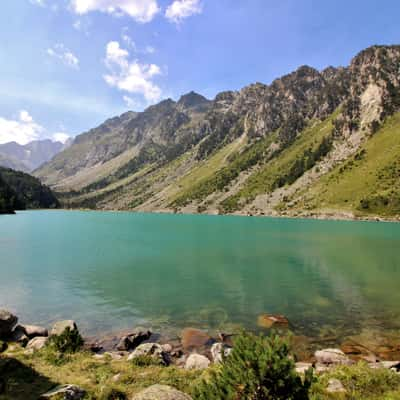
column 111, row 271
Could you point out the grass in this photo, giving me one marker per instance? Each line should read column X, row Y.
column 369, row 182
column 29, row 375
column 283, row 168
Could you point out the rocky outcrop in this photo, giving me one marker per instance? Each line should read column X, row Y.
column 332, row 357
column 134, row 339
column 197, row 361
column 335, row 386
column 153, row 350
column 37, row 343
column 60, row 326
column 33, row 331
column 66, row 392
column 7, row 323
column 161, row 392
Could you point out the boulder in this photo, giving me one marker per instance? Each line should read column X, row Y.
column 268, row 321
column 302, row 367
column 194, row 338
column 153, row 350
column 335, row 386
column 197, row 361
column 133, row 340
column 332, row 357
column 217, row 349
column 7, row 323
column 33, row 331
column 66, row 392
column 160, row 392
column 37, row 343
column 60, row 326
column 18, row 336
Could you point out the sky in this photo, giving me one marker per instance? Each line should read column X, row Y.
column 68, row 65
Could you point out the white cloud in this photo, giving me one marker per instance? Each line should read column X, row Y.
column 60, row 52
column 132, row 103
column 131, row 76
column 181, row 9
column 150, row 50
column 22, row 130
column 82, row 25
column 38, row 2
column 140, row 10
column 60, row 137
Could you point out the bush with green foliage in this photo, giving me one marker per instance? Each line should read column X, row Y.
column 70, row 341
column 258, row 368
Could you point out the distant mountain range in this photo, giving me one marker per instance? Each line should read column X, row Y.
column 30, row 156
column 310, row 143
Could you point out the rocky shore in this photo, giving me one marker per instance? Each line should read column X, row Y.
column 194, row 351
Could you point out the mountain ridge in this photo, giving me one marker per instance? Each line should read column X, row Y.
column 199, row 155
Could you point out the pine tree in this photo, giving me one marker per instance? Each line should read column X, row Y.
column 258, row 368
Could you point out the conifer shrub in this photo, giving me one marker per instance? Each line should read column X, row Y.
column 70, row 341
column 258, row 368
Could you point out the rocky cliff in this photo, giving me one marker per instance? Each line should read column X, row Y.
column 260, row 150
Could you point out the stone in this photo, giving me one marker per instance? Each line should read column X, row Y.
column 161, row 392
column 167, row 348
column 217, row 349
column 150, row 350
column 37, row 343
column 7, row 323
column 335, row 386
column 33, row 331
column 268, row 321
column 332, row 357
column 18, row 336
column 133, row 340
column 194, row 338
column 116, row 378
column 302, row 367
column 68, row 392
column 60, row 326
column 197, row 361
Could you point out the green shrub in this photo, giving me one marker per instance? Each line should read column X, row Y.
column 146, row 361
column 259, row 368
column 68, row 342
column 112, row 394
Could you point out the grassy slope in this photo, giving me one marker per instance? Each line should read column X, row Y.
column 369, row 183
column 275, row 172
column 29, row 375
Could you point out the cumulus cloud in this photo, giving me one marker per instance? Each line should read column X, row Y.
column 22, row 130
column 181, row 9
column 131, row 76
column 65, row 55
column 140, row 10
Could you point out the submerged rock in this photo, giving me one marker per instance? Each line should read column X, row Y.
column 197, row 361
column 60, row 326
column 7, row 323
column 194, row 338
column 153, row 350
column 37, row 343
column 268, row 321
column 332, row 357
column 133, row 340
column 219, row 349
column 161, row 392
column 66, row 392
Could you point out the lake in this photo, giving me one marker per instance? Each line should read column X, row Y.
column 110, row 271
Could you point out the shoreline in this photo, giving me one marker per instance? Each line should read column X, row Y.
column 339, row 216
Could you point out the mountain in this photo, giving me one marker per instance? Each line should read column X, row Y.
column 310, row 143
column 20, row 191
column 30, row 156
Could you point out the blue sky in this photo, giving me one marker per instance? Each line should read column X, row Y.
column 67, row 65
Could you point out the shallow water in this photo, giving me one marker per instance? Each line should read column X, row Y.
column 111, row 271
